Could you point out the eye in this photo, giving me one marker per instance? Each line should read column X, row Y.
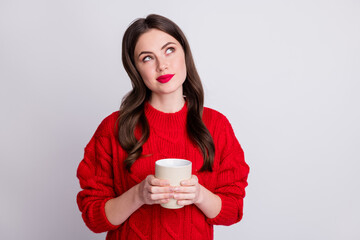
column 146, row 59
column 170, row 50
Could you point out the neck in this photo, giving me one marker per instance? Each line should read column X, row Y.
column 167, row 103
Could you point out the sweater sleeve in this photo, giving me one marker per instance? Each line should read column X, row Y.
column 96, row 179
column 231, row 177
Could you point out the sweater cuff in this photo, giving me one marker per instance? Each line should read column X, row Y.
column 230, row 212
column 99, row 222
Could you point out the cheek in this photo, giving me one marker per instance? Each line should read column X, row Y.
column 181, row 66
column 146, row 73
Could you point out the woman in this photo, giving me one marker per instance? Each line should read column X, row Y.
column 162, row 117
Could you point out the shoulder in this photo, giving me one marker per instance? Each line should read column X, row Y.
column 212, row 117
column 216, row 122
column 107, row 127
column 222, row 132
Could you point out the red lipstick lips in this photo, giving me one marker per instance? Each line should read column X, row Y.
column 165, row 78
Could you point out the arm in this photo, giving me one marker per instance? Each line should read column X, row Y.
column 225, row 205
column 101, row 209
column 232, row 176
column 150, row 191
column 120, row 208
column 208, row 202
column 95, row 175
column 232, row 180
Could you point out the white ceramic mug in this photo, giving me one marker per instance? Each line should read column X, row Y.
column 175, row 170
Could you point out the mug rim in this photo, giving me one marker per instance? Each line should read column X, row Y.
column 183, row 162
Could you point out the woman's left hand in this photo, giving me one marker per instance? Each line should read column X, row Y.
column 189, row 192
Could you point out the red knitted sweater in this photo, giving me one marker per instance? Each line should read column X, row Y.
column 102, row 177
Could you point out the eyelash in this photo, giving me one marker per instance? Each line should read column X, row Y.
column 172, row 50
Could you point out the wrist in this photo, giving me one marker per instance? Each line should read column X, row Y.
column 200, row 199
column 137, row 198
column 208, row 202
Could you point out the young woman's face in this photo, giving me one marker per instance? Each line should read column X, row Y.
column 158, row 54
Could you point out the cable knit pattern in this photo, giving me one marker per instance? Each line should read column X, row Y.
column 102, row 177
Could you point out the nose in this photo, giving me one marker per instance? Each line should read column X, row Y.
column 162, row 65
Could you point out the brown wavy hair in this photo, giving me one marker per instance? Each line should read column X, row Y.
column 132, row 113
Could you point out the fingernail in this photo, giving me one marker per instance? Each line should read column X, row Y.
column 176, row 189
column 183, row 183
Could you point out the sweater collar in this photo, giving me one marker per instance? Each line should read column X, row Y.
column 158, row 119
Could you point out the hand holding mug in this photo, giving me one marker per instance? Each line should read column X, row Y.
column 155, row 191
column 189, row 192
column 175, row 171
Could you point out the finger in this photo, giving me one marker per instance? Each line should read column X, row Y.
column 189, row 189
column 149, row 178
column 190, row 182
column 154, row 189
column 161, row 201
column 159, row 182
column 161, row 196
column 184, row 196
column 184, row 202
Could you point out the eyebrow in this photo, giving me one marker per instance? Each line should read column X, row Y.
column 147, row 52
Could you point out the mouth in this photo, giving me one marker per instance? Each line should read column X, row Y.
column 165, row 78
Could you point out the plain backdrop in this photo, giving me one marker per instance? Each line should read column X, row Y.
column 285, row 73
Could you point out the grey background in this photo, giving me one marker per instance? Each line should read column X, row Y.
column 285, row 73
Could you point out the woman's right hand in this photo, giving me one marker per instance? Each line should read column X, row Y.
column 155, row 191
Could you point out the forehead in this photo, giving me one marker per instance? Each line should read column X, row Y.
column 153, row 40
